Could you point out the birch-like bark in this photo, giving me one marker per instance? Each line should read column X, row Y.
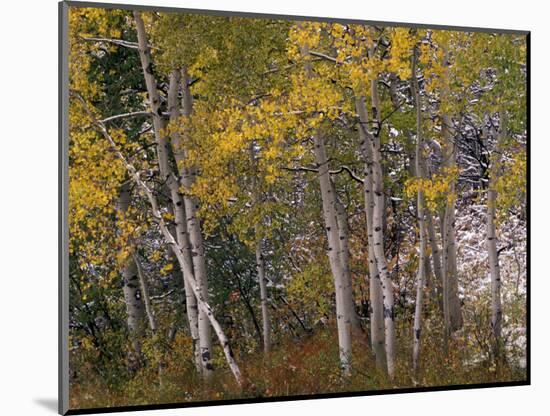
column 182, row 235
column 191, row 203
column 375, row 284
column 496, row 302
column 343, row 231
column 378, row 232
column 131, row 287
column 370, row 146
column 195, row 236
column 331, row 226
column 146, row 298
column 328, row 199
column 153, row 325
column 451, row 301
column 177, row 248
column 421, row 274
column 260, row 267
column 436, row 257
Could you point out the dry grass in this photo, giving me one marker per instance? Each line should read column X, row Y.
column 294, row 367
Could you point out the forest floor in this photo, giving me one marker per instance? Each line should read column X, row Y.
column 307, row 366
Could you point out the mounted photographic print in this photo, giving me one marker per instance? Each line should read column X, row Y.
column 262, row 208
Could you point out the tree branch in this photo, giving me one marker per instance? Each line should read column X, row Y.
column 119, row 116
column 327, row 57
column 119, row 42
column 341, row 169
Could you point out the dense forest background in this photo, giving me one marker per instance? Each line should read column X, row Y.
column 265, row 208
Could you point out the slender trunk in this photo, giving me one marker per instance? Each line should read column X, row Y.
column 496, row 302
column 260, row 267
column 132, row 293
column 189, row 205
column 376, row 309
column 334, row 248
column 451, row 301
column 421, row 274
column 188, row 174
column 150, row 315
column 378, row 233
column 331, row 226
column 436, row 258
column 370, row 145
column 199, row 268
column 343, row 230
column 182, row 234
column 145, row 295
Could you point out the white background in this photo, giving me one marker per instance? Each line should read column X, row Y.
column 28, row 205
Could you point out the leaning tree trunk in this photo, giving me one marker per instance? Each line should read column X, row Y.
column 177, row 248
column 496, row 302
column 421, row 273
column 131, row 288
column 190, row 205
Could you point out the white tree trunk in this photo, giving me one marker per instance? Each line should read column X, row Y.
column 328, row 198
column 451, row 301
column 131, row 287
column 199, row 267
column 496, row 302
column 260, row 267
column 331, row 226
column 193, row 226
column 436, row 257
column 182, row 235
column 371, row 153
column 343, row 238
column 375, row 285
column 421, row 273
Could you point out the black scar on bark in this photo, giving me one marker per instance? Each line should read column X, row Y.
column 417, row 333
